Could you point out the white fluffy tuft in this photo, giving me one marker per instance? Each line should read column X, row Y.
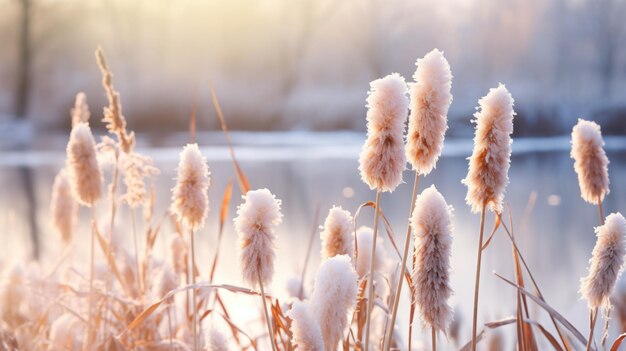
column 255, row 223
column 430, row 99
column 307, row 335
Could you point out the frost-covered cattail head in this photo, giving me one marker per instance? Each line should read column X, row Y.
column 63, row 207
column 190, row 198
column 80, row 112
column 364, row 239
column 607, row 261
column 337, row 237
column 255, row 223
column 307, row 335
column 178, row 252
column 590, row 161
column 432, row 228
column 489, row 164
column 216, row 340
column 334, row 296
column 82, row 166
column 382, row 158
column 430, row 99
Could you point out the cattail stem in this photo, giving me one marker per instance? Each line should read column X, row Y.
column 593, row 316
column 601, row 212
column 477, row 286
column 267, row 316
column 113, row 191
column 434, row 338
column 91, row 273
column 169, row 325
column 139, row 280
column 370, row 295
column 407, row 241
column 193, row 281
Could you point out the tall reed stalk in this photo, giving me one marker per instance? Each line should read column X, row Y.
column 407, row 242
column 268, row 321
column 370, row 294
column 477, row 285
column 194, row 291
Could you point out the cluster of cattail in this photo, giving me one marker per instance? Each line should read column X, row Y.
column 357, row 283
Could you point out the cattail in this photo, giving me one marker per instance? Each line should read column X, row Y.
column 428, row 121
column 256, row 220
column 178, row 252
column 334, row 296
column 216, row 340
column 190, row 199
column 82, row 166
column 382, row 159
column 364, row 238
column 490, row 160
column 590, row 161
column 80, row 112
column 337, row 237
column 307, row 335
column 432, row 229
column 63, row 207
column 606, row 263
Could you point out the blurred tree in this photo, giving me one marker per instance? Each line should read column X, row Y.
column 22, row 95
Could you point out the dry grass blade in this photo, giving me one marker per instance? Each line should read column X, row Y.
column 618, row 342
column 388, row 228
column 228, row 192
column 244, row 185
column 493, row 232
column 192, row 120
column 551, row 311
column 150, row 309
column 111, row 260
column 551, row 339
column 490, row 325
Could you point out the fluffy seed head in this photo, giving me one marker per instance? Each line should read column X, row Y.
column 80, row 112
column 178, row 254
column 255, row 223
column 63, row 207
column 337, row 237
column 190, row 198
column 382, row 158
column 489, row 164
column 334, row 296
column 216, row 340
column 590, row 161
column 82, row 166
column 606, row 263
column 432, row 228
column 307, row 335
column 430, row 99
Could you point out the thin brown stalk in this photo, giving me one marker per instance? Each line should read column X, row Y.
column 434, row 338
column 601, row 212
column 593, row 317
column 267, row 317
column 477, row 286
column 407, row 242
column 370, row 295
column 169, row 325
column 308, row 251
column 139, row 280
column 532, row 279
column 193, row 293
column 113, row 192
column 91, row 273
